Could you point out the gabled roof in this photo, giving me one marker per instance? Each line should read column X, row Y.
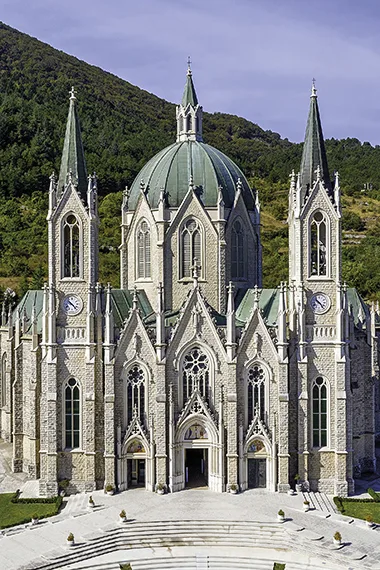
column 73, row 154
column 268, row 304
column 122, row 301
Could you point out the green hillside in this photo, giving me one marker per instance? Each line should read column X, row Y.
column 123, row 126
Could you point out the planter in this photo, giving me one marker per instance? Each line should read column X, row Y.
column 369, row 524
column 34, row 521
column 112, row 492
column 122, row 520
column 160, row 491
column 291, row 492
column 337, row 543
column 90, row 505
column 70, row 543
column 306, row 508
column 280, row 518
column 299, row 487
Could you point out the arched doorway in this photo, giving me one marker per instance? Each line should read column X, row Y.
column 134, row 464
column 198, row 458
column 260, row 464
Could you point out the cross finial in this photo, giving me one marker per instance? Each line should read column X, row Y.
column 313, row 88
column 72, row 94
column 188, row 65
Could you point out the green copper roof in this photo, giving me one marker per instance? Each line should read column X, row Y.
column 122, row 302
column 170, row 170
column 189, row 94
column 268, row 304
column 73, row 155
column 32, row 298
column 314, row 152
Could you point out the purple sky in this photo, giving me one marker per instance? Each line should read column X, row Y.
column 254, row 58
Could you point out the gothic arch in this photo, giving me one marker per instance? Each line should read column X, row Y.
column 179, row 365
column 191, row 245
column 192, row 419
column 319, row 244
column 72, row 411
column 71, row 246
column 255, row 365
column 238, row 245
column 320, row 403
column 127, row 368
column 143, row 249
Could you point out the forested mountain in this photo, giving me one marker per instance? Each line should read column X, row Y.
column 123, row 126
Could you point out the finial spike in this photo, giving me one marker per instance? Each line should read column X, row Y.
column 313, row 89
column 188, row 65
column 72, row 94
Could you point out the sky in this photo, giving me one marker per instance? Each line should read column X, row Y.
column 253, row 58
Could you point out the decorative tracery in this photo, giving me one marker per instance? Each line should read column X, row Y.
column 196, row 373
column 238, row 255
column 256, row 392
column 318, row 245
column 71, row 247
column 136, row 393
column 191, row 247
column 72, row 414
column 143, row 251
column 319, row 396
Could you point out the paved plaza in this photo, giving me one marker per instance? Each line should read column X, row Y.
column 187, row 530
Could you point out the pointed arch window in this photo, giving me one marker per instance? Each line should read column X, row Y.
column 4, row 380
column 188, row 122
column 195, row 374
column 238, row 251
column 318, row 245
column 71, row 247
column 143, row 251
column 256, row 380
column 191, row 247
column 136, row 394
column 320, row 408
column 72, row 414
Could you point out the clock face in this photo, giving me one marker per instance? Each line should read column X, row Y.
column 72, row 304
column 320, row 303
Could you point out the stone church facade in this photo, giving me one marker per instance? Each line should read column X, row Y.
column 191, row 373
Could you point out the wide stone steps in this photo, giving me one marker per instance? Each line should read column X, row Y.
column 169, row 534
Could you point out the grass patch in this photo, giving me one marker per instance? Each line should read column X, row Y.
column 19, row 511
column 359, row 508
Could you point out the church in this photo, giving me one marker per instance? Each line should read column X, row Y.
column 191, row 373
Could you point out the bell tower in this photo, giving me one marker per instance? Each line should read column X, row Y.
column 69, row 366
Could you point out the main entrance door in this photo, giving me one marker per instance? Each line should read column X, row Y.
column 136, row 472
column 196, row 467
column 257, row 473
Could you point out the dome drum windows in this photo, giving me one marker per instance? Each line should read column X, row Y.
column 136, row 394
column 143, row 251
column 320, row 412
column 256, row 386
column 238, row 251
column 72, row 414
column 71, row 247
column 318, row 245
column 190, row 248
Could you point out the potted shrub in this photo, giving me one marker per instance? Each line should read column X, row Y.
column 70, row 539
column 306, row 506
column 160, row 488
column 337, row 539
column 298, row 482
column 91, row 503
column 280, row 516
column 233, row 489
column 291, row 492
column 63, row 486
column 122, row 516
column 34, row 519
column 110, row 489
column 369, row 521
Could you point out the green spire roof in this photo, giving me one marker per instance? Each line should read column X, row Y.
column 73, row 155
column 314, row 152
column 189, row 95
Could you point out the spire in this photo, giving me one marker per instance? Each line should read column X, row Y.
column 73, row 164
column 189, row 112
column 314, row 153
column 189, row 95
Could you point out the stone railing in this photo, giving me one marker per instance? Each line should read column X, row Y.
column 73, row 335
column 321, row 332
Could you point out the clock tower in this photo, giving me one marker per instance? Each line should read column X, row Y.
column 70, row 367
column 318, row 304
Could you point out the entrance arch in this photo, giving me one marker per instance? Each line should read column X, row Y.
column 259, row 464
column 135, row 464
column 197, row 455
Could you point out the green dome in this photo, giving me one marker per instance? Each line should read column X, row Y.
column 171, row 168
